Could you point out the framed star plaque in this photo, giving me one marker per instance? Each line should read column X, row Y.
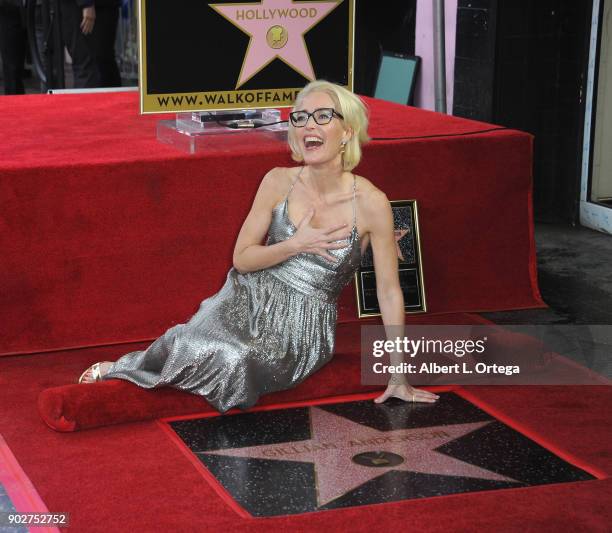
column 408, row 246
column 203, row 55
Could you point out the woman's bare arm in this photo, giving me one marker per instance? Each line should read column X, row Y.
column 382, row 239
column 389, row 293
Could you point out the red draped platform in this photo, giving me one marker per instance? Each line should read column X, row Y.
column 109, row 236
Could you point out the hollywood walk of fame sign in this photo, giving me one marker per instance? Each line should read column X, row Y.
column 200, row 55
column 408, row 248
column 305, row 459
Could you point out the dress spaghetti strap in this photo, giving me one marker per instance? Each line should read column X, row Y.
column 354, row 207
column 293, row 183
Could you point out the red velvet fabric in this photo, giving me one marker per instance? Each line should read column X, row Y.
column 109, row 236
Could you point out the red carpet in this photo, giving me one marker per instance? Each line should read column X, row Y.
column 109, row 236
column 132, row 477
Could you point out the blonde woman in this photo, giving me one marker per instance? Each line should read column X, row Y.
column 273, row 322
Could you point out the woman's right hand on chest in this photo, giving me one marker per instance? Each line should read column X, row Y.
column 319, row 240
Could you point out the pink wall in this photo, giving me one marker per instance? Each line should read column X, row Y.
column 425, row 96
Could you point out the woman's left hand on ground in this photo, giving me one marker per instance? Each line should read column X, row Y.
column 405, row 392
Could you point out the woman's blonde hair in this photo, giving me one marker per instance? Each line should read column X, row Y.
column 350, row 107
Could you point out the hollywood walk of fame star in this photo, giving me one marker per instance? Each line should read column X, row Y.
column 270, row 18
column 336, row 440
column 399, row 234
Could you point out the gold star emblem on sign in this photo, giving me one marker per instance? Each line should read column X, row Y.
column 277, row 37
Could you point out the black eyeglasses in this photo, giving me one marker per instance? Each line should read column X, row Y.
column 321, row 116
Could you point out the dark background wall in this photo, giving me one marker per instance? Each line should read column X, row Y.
column 541, row 75
column 475, row 59
column 523, row 64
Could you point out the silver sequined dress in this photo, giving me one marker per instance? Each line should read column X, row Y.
column 264, row 331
